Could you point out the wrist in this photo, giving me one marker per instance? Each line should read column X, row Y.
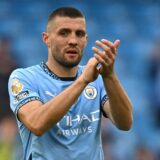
column 82, row 80
column 109, row 76
column 110, row 80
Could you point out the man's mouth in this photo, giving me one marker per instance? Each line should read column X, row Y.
column 72, row 52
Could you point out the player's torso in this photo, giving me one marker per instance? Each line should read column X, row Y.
column 84, row 114
column 81, row 123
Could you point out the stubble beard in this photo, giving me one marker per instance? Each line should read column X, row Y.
column 66, row 63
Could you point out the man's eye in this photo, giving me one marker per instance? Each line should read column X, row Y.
column 80, row 34
column 63, row 33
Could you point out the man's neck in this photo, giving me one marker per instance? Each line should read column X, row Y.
column 62, row 71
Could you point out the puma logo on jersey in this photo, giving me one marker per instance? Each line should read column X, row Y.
column 50, row 94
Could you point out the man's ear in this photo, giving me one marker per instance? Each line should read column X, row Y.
column 45, row 38
column 86, row 39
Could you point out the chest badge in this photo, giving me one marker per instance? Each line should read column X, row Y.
column 90, row 92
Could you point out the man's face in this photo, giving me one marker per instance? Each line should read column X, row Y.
column 67, row 38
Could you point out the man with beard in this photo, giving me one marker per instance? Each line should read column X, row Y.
column 59, row 104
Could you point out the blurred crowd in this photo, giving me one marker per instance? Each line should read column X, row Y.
column 136, row 24
column 8, row 129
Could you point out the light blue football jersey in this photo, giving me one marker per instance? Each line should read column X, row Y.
column 77, row 136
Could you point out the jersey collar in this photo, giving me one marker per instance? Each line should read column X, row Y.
column 45, row 68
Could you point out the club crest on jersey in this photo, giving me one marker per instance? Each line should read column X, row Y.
column 16, row 86
column 90, row 92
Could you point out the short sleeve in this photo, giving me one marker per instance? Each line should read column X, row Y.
column 22, row 89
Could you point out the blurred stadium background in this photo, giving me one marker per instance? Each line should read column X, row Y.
column 136, row 23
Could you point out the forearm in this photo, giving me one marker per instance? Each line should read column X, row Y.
column 119, row 103
column 47, row 115
column 39, row 117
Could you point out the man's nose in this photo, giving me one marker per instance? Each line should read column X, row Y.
column 72, row 40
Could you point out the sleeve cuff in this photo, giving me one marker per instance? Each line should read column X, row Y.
column 104, row 100
column 25, row 102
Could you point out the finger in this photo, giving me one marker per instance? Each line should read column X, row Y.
column 96, row 50
column 93, row 61
column 105, row 62
column 99, row 52
column 99, row 59
column 116, row 43
column 102, row 45
column 111, row 52
column 104, row 54
column 112, row 45
column 109, row 44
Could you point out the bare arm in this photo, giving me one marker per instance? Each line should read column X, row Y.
column 39, row 117
column 119, row 107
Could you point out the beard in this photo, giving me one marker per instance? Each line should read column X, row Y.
column 67, row 63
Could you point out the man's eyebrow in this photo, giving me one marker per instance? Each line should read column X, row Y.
column 67, row 29
column 80, row 30
column 64, row 29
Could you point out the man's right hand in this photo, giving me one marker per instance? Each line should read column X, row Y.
column 90, row 72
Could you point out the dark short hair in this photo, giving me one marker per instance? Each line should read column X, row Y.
column 65, row 12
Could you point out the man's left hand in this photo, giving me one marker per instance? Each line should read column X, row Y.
column 106, row 56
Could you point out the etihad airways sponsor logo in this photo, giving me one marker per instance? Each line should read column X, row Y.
column 68, row 120
column 79, row 124
column 75, row 131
